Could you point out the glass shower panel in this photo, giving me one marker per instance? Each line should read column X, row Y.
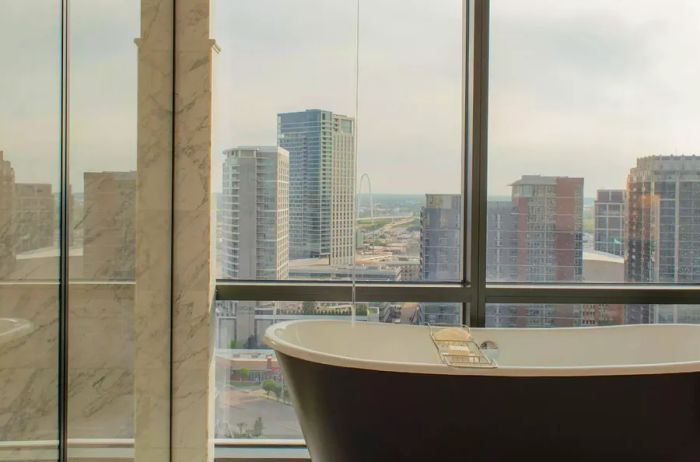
column 30, row 58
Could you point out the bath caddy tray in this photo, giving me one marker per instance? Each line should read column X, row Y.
column 457, row 348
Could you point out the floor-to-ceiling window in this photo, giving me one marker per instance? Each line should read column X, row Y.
column 85, row 204
column 339, row 156
column 537, row 159
column 30, row 184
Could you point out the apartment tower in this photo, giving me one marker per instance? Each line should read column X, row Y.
column 256, row 213
column 609, row 218
column 549, row 216
column 255, row 232
column 440, row 253
column 322, row 174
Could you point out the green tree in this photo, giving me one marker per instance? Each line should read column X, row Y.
column 277, row 390
column 308, row 308
column 244, row 373
column 257, row 428
column 268, row 385
column 232, row 345
column 361, row 309
column 242, row 430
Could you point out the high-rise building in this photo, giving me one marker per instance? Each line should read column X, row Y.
column 609, row 232
column 663, row 231
column 109, row 222
column 537, row 237
column 501, row 242
column 35, row 215
column 255, row 211
column 441, row 237
column 322, row 173
column 8, row 239
column 549, row 217
column 663, row 224
column 440, row 253
column 255, row 232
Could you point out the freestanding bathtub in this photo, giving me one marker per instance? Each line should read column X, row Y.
column 380, row 392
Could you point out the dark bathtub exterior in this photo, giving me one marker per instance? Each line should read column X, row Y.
column 354, row 415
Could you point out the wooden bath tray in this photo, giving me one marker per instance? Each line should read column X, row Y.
column 457, row 348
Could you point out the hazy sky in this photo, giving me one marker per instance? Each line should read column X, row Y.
column 578, row 88
column 103, row 87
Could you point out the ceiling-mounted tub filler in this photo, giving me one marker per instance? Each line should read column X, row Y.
column 380, row 392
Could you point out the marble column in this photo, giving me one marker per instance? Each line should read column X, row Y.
column 193, row 277
column 152, row 308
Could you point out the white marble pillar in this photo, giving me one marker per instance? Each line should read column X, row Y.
column 152, row 306
column 193, row 277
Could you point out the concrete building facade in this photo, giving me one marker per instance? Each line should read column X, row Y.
column 255, row 212
column 501, row 242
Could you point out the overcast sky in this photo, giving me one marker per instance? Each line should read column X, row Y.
column 578, row 88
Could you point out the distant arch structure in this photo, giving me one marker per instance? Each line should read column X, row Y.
column 369, row 188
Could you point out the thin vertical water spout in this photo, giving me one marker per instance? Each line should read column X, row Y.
column 353, row 307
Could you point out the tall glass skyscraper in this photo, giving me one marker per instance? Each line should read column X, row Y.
column 322, row 173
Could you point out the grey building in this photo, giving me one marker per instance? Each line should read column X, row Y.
column 440, row 253
column 255, row 213
column 663, row 231
column 501, row 242
column 663, row 220
column 609, row 209
column 322, row 174
column 255, row 232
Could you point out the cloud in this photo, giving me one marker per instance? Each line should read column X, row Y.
column 585, row 88
column 578, row 88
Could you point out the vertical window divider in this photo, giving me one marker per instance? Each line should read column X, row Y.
column 64, row 246
column 478, row 160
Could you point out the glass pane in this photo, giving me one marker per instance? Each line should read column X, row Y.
column 119, row 135
column 252, row 398
column 584, row 315
column 411, row 83
column 292, row 151
column 30, row 44
column 284, row 138
column 592, row 131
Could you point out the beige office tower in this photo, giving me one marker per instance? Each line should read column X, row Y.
column 8, row 241
column 35, row 216
column 109, row 220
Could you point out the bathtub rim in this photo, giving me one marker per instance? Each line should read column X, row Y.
column 290, row 349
